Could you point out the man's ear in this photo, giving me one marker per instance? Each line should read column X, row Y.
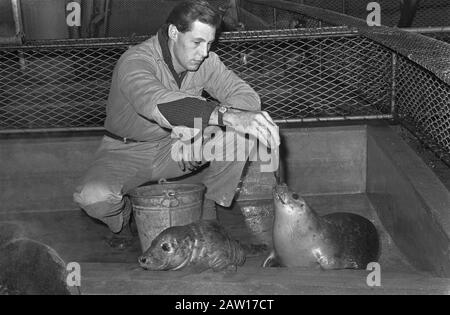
column 173, row 32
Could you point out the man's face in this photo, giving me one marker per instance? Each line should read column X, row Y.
column 192, row 47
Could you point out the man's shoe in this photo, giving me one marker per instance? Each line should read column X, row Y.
column 124, row 239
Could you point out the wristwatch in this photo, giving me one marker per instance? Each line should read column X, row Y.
column 220, row 112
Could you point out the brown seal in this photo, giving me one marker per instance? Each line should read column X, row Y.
column 334, row 241
column 197, row 246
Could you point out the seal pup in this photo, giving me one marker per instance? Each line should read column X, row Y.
column 196, row 247
column 334, row 241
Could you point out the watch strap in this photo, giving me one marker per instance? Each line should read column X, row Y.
column 220, row 112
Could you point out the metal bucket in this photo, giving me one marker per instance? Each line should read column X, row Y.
column 157, row 207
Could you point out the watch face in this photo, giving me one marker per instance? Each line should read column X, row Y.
column 222, row 109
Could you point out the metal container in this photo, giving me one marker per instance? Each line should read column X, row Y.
column 157, row 207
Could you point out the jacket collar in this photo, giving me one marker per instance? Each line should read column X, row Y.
column 163, row 40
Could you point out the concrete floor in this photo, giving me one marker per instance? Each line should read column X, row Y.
column 78, row 238
column 37, row 193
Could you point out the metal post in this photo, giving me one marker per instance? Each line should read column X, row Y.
column 424, row 30
column 394, row 111
column 17, row 14
column 74, row 31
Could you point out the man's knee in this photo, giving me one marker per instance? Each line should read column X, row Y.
column 97, row 199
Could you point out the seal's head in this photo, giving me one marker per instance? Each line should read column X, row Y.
column 287, row 201
column 170, row 250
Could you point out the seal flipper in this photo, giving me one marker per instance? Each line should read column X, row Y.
column 195, row 269
column 253, row 250
column 219, row 261
column 271, row 261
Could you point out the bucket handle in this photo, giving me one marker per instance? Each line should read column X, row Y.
column 171, row 195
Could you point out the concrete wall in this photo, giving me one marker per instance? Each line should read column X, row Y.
column 40, row 173
column 44, row 19
column 7, row 27
column 411, row 202
column 325, row 160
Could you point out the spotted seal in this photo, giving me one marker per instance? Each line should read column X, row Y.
column 334, row 241
column 197, row 246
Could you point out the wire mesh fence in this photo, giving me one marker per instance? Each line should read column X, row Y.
column 422, row 93
column 299, row 75
column 423, row 103
column 442, row 36
column 55, row 86
column 316, row 76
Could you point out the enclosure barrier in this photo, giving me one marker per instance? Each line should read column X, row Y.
column 330, row 67
column 420, row 67
column 431, row 18
column 329, row 73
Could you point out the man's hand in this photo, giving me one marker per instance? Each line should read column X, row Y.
column 189, row 165
column 186, row 159
column 184, row 151
column 256, row 123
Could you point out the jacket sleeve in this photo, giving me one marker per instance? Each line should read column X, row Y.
column 225, row 86
column 139, row 84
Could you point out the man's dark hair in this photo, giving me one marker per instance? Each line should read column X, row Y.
column 186, row 12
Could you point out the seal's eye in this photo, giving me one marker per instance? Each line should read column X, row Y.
column 295, row 196
column 165, row 247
